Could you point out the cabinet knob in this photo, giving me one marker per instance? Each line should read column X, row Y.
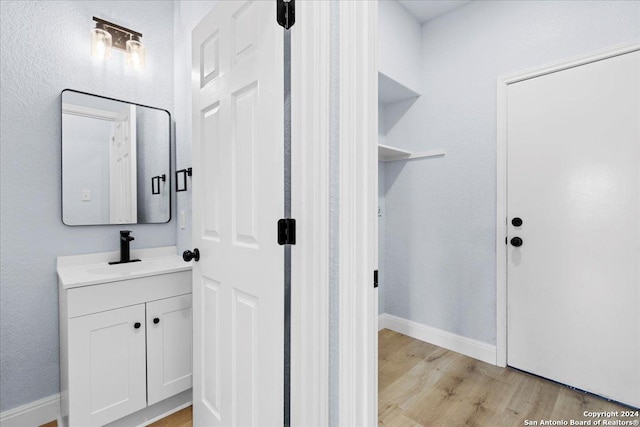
column 516, row 241
column 137, row 325
column 156, row 320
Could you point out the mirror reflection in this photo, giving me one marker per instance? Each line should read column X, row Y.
column 115, row 161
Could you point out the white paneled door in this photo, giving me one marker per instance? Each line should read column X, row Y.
column 122, row 168
column 238, row 197
column 574, row 227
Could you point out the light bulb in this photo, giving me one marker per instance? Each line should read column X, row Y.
column 135, row 54
column 100, row 43
column 100, row 48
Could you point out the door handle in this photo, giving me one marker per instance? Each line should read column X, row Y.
column 516, row 241
column 188, row 255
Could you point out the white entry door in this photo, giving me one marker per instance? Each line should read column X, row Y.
column 574, row 181
column 238, row 197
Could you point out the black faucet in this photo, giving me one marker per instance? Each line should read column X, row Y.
column 125, row 250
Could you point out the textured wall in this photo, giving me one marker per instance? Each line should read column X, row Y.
column 334, row 216
column 382, row 287
column 45, row 48
column 187, row 14
column 381, row 211
column 440, row 222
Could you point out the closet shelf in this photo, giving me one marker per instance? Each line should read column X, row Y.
column 392, row 154
column 391, row 90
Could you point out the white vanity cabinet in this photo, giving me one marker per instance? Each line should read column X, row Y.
column 126, row 344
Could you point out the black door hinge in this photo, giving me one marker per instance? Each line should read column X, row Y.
column 287, row 231
column 286, row 13
column 375, row 278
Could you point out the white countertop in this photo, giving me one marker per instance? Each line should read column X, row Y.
column 91, row 269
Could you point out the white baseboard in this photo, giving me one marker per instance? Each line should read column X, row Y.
column 463, row 345
column 382, row 321
column 32, row 414
column 155, row 412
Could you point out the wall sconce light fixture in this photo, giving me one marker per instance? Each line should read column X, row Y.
column 107, row 35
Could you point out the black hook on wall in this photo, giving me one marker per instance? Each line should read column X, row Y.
column 185, row 172
column 155, row 183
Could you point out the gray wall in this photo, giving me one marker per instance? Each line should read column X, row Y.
column 440, row 213
column 45, row 48
column 399, row 43
column 334, row 216
column 381, row 208
column 382, row 211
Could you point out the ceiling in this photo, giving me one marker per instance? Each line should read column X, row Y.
column 425, row 10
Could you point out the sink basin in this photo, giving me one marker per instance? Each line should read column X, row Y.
column 128, row 268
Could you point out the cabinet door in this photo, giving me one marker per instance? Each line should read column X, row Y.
column 168, row 347
column 106, row 366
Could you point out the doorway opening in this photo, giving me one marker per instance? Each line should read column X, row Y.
column 441, row 323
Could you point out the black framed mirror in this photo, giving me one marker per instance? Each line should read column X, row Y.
column 116, row 161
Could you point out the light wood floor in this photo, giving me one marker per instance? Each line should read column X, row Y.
column 182, row 418
column 424, row 385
